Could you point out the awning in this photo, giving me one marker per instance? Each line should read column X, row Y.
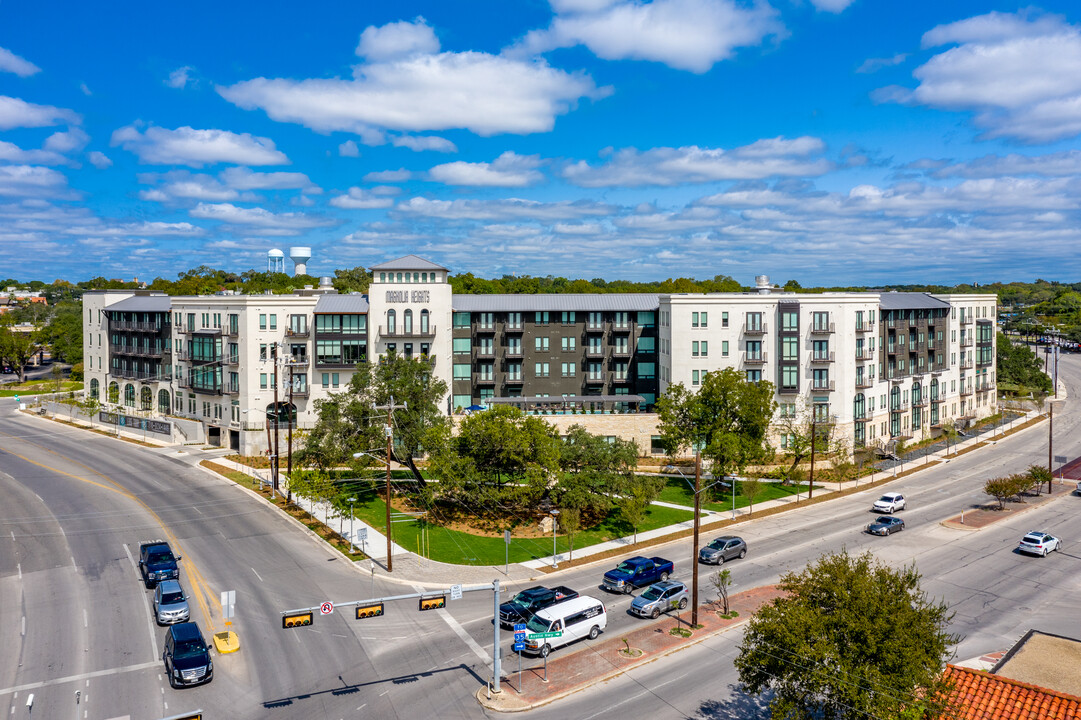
column 560, row 399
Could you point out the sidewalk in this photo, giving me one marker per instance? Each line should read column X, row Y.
column 586, row 662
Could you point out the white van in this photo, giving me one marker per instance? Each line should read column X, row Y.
column 574, row 619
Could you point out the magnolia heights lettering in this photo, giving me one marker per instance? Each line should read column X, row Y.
column 404, row 296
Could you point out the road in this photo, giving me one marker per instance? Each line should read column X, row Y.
column 74, row 616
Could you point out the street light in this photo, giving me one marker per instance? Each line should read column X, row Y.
column 352, row 545
column 555, row 515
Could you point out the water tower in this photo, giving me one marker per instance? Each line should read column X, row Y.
column 300, row 257
column 275, row 261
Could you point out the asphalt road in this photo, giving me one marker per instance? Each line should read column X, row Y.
column 74, row 616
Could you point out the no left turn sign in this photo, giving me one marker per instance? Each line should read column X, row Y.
column 326, row 608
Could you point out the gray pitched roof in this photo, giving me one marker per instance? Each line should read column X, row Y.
column 343, row 304
column 629, row 302
column 143, row 303
column 409, row 262
column 910, row 301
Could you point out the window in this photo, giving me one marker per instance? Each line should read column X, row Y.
column 540, row 370
column 754, row 350
column 620, row 320
column 486, row 320
column 461, row 371
column 789, row 348
column 568, row 344
column 540, row 344
column 724, row 348
column 694, row 377
column 485, row 346
column 262, row 351
column 646, row 318
column 705, row 348
column 542, row 317
column 754, row 376
column 461, row 320
column 514, row 371
column 567, row 317
column 392, row 322
column 754, row 321
column 619, row 371
column 262, row 381
column 595, row 347
column 568, row 369
column 694, row 348
column 789, row 320
column 620, row 345
column 326, row 380
column 273, row 321
column 484, row 371
column 407, row 322
column 594, row 371
column 694, row 319
column 595, row 321
column 462, row 346
column 646, row 344
column 262, row 320
column 820, row 321
column 514, row 321
column 328, row 352
column 704, row 317
column 514, row 346
column 821, row 350
column 646, row 371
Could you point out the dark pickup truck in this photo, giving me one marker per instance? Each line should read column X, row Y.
column 637, row 572
column 157, row 563
column 526, row 603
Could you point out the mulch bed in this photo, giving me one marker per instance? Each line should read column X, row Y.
column 983, row 515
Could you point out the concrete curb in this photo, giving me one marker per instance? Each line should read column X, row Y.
column 954, row 524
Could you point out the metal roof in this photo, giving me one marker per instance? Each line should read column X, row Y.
column 556, row 302
column 343, row 304
column 910, row 301
column 143, row 303
column 409, row 262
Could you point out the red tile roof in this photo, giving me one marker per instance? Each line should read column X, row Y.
column 982, row 696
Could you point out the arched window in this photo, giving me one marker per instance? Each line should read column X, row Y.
column 95, row 389
column 895, row 399
column 146, row 399
column 934, row 390
column 858, row 407
column 917, row 393
column 129, row 395
column 391, row 322
column 164, row 404
column 114, row 393
column 424, row 321
column 407, row 321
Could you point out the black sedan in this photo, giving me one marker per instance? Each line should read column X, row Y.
column 886, row 526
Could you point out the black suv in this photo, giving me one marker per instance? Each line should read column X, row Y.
column 186, row 656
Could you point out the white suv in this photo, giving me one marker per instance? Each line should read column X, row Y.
column 890, row 502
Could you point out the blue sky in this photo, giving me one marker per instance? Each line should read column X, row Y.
column 829, row 141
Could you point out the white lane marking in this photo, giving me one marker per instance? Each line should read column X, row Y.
column 76, row 678
column 86, row 619
column 257, row 575
column 647, row 691
column 149, row 612
column 74, row 566
column 461, row 632
column 196, row 509
column 20, row 567
column 359, row 708
column 24, row 626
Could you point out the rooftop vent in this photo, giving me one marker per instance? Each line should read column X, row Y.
column 762, row 284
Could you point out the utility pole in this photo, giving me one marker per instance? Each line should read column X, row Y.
column 1050, row 443
column 694, row 549
column 289, row 446
column 814, row 436
column 390, row 448
column 277, row 417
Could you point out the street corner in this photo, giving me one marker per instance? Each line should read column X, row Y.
column 505, row 701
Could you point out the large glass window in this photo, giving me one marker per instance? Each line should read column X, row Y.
column 461, row 320
column 328, row 352
column 407, row 321
column 462, row 346
column 647, row 344
column 461, row 371
column 392, row 322
column 789, row 320
column 424, row 321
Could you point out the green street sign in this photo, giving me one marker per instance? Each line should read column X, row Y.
column 541, row 636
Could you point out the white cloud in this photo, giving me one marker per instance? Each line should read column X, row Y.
column 508, row 170
column 19, row 113
column 152, row 229
column 264, row 221
column 12, row 153
column 12, row 63
column 1063, row 164
column 399, row 175
column 418, row 143
column 31, row 181
column 683, row 34
column 185, row 186
column 833, row 6
column 64, row 142
column 484, row 93
column 396, row 40
column 360, row 199
column 243, row 178
column 349, row 149
column 179, row 78
column 772, row 157
column 85, row 89
column 871, row 65
column 99, row 159
column 1020, row 74
column 188, row 146
column 509, row 209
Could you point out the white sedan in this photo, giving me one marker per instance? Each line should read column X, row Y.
column 1039, row 543
column 890, row 502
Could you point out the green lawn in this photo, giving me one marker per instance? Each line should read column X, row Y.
column 460, row 548
column 38, row 387
column 678, row 491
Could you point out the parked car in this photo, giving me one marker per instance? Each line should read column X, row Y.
column 573, row 620
column 525, row 604
column 637, row 572
column 170, row 605
column 186, row 656
column 1077, row 490
column 890, row 502
column 723, row 548
column 157, row 563
column 1039, row 543
column 660, row 597
column 886, row 526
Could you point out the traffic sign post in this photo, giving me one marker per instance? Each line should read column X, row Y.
column 519, row 646
column 455, row 592
column 326, row 608
column 541, row 636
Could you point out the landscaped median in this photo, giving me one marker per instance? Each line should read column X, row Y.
column 586, row 662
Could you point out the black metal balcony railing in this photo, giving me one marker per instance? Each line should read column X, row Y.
column 759, row 329
column 297, row 332
column 825, row 385
column 594, row 378
column 399, row 332
column 864, row 382
column 864, row 327
column 755, row 358
column 513, row 379
column 823, row 357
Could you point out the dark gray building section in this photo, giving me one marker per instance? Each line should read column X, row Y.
column 140, row 347
column 341, row 337
column 508, row 346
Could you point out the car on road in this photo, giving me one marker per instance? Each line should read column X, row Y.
column 157, row 563
column 525, row 604
column 886, row 526
column 186, row 656
column 890, row 502
column 170, row 605
column 1077, row 490
column 637, row 572
column 564, row 623
column 723, row 548
column 660, row 597
column 1039, row 543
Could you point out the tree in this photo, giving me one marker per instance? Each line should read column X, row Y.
column 1001, row 489
column 752, row 488
column 831, row 646
column 593, row 469
column 635, row 497
column 798, row 429
column 1018, row 365
column 722, row 581
column 90, row 405
column 63, row 332
column 16, row 348
column 949, row 431
column 570, row 519
column 348, row 421
column 728, row 418
column 1040, row 475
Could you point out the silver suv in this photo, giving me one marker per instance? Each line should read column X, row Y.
column 170, row 605
column 660, row 597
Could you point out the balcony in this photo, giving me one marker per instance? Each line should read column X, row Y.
column 966, row 341
column 513, row 327
column 292, row 332
column 231, row 360
column 235, row 331
column 399, row 332
column 823, row 357
column 594, row 378
column 899, row 407
column 299, row 392
column 919, row 402
column 513, row 379
column 788, row 389
column 620, row 378
column 864, row 382
column 486, row 329
column 825, row 386
column 231, row 389
column 967, row 319
column 966, row 390
column 595, row 327
column 867, row 353
column 621, row 328
column 183, row 383
column 758, row 358
column 823, row 328
column 985, row 386
column 484, row 379
column 755, row 329
column 985, row 363
column 864, row 327
column 298, row 361
column 965, row 364
column 513, row 352
column 621, row 351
